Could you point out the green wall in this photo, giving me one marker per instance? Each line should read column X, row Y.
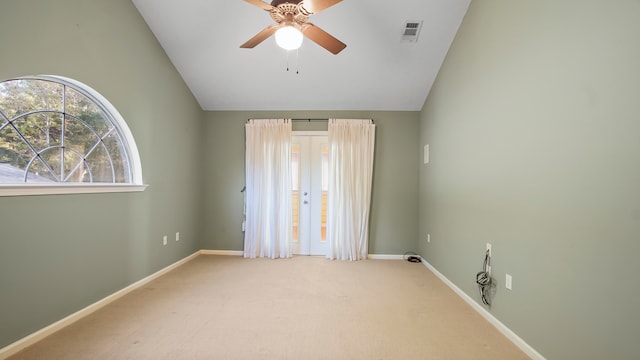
column 61, row 253
column 393, row 222
column 534, row 132
column 534, row 135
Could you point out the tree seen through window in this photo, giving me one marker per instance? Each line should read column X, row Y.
column 52, row 131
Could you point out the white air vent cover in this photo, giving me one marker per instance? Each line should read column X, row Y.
column 411, row 30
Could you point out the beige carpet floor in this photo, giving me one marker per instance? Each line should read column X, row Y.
column 227, row 307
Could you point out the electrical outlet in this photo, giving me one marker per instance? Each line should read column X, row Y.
column 177, row 236
column 426, row 154
column 508, row 281
column 164, row 240
column 428, row 238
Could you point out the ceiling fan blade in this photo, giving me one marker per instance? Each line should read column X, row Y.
column 323, row 38
column 261, row 36
column 260, row 4
column 315, row 6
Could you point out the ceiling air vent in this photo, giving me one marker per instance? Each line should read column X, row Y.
column 411, row 31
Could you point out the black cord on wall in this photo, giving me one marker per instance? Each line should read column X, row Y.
column 483, row 279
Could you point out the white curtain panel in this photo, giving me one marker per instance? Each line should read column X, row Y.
column 351, row 145
column 268, row 229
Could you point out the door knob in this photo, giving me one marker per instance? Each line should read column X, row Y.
column 305, row 202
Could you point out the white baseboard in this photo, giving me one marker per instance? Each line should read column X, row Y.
column 526, row 348
column 33, row 338
column 385, row 257
column 240, row 253
column 222, row 252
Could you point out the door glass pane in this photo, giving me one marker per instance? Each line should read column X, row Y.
column 325, row 188
column 295, row 185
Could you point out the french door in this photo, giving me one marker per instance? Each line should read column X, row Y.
column 309, row 172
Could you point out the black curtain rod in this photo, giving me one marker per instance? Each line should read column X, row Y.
column 304, row 120
column 310, row 120
column 322, row 120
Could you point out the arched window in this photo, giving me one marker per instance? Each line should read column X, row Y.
column 58, row 135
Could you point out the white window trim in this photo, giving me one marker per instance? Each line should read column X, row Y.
column 87, row 188
column 61, row 188
column 123, row 129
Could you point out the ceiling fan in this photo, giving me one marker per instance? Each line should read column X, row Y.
column 293, row 16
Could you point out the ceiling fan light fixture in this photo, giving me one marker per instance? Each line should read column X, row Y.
column 289, row 38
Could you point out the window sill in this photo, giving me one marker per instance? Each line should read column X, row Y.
column 56, row 189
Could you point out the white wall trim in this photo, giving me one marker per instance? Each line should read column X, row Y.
column 240, row 253
column 526, row 348
column 66, row 188
column 33, row 338
column 384, row 257
column 222, row 252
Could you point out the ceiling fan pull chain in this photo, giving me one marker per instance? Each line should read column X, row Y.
column 287, row 59
column 297, row 61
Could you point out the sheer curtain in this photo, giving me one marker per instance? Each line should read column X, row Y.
column 351, row 145
column 268, row 189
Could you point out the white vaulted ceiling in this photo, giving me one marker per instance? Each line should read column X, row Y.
column 377, row 70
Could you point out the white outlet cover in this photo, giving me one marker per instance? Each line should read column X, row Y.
column 426, row 154
column 508, row 281
column 177, row 236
